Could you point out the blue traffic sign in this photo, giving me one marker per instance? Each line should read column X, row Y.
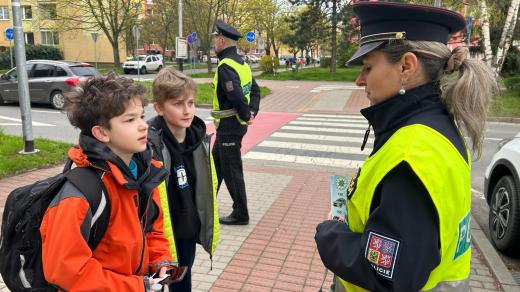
column 9, row 33
column 250, row 36
column 192, row 38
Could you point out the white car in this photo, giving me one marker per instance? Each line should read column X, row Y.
column 502, row 191
column 143, row 64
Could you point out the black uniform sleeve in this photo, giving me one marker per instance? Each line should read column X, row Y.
column 254, row 103
column 403, row 214
column 229, row 82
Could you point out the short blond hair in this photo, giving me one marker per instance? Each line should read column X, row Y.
column 171, row 84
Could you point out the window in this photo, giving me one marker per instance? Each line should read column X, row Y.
column 26, row 12
column 29, row 38
column 4, row 12
column 43, row 70
column 47, row 10
column 13, row 74
column 50, row 38
column 60, row 72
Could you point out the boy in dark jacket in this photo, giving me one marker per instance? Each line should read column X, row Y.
column 109, row 112
column 179, row 139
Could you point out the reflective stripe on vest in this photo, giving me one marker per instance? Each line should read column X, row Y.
column 167, row 222
column 246, row 81
column 446, row 176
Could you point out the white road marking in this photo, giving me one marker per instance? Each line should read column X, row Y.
column 316, row 129
column 337, row 125
column 315, row 147
column 322, row 137
column 342, row 163
column 19, row 122
column 359, row 117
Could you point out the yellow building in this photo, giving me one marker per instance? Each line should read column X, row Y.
column 40, row 28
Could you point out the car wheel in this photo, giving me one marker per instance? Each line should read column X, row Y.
column 126, row 71
column 57, row 99
column 504, row 216
column 159, row 68
column 143, row 70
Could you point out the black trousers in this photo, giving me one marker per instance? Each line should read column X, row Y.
column 186, row 256
column 228, row 165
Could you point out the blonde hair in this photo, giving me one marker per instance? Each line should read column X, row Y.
column 467, row 85
column 172, row 84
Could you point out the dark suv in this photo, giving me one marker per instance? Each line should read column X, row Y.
column 48, row 81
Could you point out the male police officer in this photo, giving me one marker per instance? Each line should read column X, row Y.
column 235, row 104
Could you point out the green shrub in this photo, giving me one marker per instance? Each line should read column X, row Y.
column 32, row 53
column 325, row 62
column 513, row 84
column 345, row 52
column 512, row 62
column 269, row 63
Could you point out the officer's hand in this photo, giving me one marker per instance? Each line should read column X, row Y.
column 250, row 122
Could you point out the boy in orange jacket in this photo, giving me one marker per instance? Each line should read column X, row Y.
column 109, row 111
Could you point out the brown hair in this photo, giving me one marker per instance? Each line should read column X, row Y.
column 101, row 98
column 467, row 85
column 171, row 84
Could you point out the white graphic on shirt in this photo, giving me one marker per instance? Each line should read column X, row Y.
column 182, row 178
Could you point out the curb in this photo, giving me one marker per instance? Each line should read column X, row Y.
column 504, row 120
column 495, row 263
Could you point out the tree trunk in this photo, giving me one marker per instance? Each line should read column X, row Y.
column 507, row 35
column 210, row 69
column 486, row 41
column 115, row 51
column 333, row 39
column 275, row 49
column 267, row 46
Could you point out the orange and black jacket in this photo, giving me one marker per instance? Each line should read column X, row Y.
column 133, row 245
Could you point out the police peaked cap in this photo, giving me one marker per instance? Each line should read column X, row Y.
column 385, row 21
column 226, row 30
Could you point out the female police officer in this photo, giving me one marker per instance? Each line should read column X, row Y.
column 409, row 214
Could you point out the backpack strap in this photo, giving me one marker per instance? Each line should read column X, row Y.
column 88, row 181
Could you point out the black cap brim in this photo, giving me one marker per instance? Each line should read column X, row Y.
column 365, row 49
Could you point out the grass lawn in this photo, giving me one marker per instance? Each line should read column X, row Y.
column 11, row 163
column 317, row 74
column 204, row 92
column 105, row 68
column 202, row 75
column 506, row 105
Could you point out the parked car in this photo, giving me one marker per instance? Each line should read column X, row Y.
column 214, row 59
column 143, row 64
column 502, row 191
column 48, row 81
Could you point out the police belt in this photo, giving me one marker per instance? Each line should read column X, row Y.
column 223, row 113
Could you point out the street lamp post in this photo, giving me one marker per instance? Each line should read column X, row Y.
column 23, row 84
column 180, row 33
column 94, row 38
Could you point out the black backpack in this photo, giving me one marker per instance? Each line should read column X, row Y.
column 20, row 241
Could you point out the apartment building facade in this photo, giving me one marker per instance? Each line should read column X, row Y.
column 40, row 26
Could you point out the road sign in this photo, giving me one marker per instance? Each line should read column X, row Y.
column 9, row 33
column 250, row 36
column 94, row 36
column 181, row 48
column 135, row 31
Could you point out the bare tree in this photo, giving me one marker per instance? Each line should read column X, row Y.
column 486, row 40
column 507, row 36
column 159, row 25
column 112, row 17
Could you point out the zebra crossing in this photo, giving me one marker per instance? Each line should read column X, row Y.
column 332, row 140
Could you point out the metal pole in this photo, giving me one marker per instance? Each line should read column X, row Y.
column 23, row 85
column 180, row 33
column 11, row 52
column 137, row 55
column 95, row 54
